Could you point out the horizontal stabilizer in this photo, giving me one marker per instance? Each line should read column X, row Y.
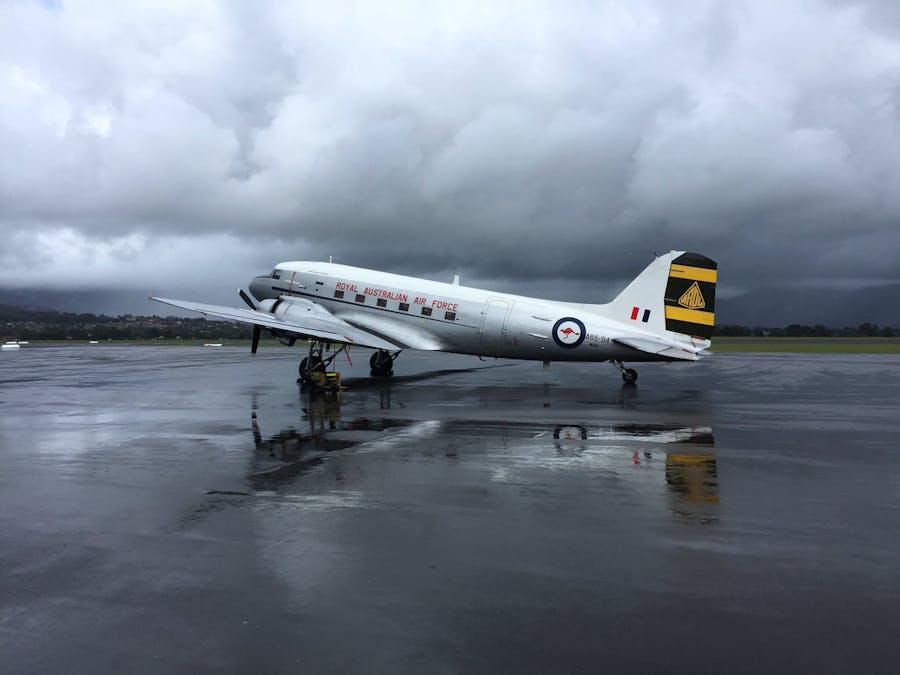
column 664, row 348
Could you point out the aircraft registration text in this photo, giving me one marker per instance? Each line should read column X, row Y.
column 393, row 295
column 388, row 295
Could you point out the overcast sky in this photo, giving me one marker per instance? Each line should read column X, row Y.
column 182, row 146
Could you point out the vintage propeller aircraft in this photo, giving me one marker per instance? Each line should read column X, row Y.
column 665, row 314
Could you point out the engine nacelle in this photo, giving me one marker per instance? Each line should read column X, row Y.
column 301, row 311
column 285, row 338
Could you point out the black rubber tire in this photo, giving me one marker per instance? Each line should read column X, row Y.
column 304, row 372
column 380, row 364
column 629, row 375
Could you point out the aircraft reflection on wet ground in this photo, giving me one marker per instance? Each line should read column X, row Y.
column 293, row 450
column 501, row 519
column 690, row 471
column 650, row 457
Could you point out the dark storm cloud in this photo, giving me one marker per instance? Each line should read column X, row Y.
column 565, row 144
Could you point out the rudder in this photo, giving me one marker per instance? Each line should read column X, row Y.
column 690, row 297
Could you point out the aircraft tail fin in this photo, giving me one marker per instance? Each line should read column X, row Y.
column 676, row 292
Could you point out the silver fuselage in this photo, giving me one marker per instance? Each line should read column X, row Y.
column 421, row 314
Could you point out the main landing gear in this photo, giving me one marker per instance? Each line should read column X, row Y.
column 629, row 375
column 313, row 370
column 382, row 363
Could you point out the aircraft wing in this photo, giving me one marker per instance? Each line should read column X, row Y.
column 403, row 334
column 302, row 317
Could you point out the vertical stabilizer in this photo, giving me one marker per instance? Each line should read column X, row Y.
column 676, row 292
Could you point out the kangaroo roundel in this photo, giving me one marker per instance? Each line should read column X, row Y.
column 568, row 332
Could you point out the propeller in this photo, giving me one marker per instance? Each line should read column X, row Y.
column 254, row 344
column 246, row 298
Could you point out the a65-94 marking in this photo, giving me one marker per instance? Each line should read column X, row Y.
column 602, row 339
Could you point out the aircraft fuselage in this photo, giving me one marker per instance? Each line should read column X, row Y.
column 439, row 316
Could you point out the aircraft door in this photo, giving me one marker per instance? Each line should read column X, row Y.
column 493, row 320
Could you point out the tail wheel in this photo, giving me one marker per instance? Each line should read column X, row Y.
column 629, row 375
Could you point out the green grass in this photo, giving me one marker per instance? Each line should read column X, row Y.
column 824, row 345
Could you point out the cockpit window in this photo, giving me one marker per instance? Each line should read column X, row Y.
column 276, row 274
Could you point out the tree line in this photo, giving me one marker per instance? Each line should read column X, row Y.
column 801, row 330
column 17, row 323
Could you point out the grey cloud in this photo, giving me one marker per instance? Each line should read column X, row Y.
column 548, row 144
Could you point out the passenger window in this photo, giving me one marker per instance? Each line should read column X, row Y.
column 360, row 298
column 426, row 311
column 339, row 294
column 404, row 307
column 381, row 302
column 450, row 316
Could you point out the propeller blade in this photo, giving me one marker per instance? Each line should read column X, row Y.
column 246, row 298
column 255, row 343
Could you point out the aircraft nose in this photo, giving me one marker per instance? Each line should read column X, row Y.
column 261, row 288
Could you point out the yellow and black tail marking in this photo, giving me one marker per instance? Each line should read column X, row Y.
column 691, row 295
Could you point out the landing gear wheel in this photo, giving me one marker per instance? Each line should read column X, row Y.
column 307, row 366
column 381, row 364
column 629, row 375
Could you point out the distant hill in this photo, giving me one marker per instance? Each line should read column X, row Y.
column 770, row 307
column 834, row 308
column 79, row 301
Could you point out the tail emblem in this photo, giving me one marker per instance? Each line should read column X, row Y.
column 692, row 298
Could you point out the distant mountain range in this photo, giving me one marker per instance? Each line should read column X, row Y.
column 95, row 302
column 775, row 307
column 828, row 307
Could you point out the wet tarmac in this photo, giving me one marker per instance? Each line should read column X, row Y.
column 190, row 510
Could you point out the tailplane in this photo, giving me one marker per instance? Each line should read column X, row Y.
column 676, row 292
